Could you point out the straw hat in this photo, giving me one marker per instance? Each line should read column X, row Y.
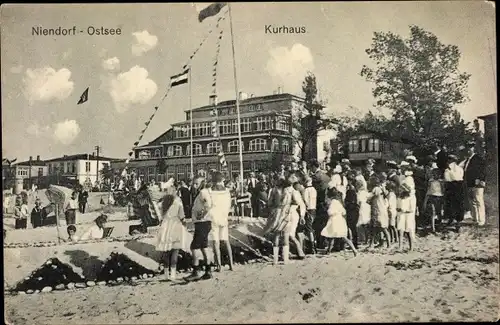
column 337, row 169
column 411, row 158
column 404, row 164
column 434, row 165
column 345, row 161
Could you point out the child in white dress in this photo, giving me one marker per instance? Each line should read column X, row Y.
column 392, row 202
column 364, row 209
column 406, row 215
column 336, row 226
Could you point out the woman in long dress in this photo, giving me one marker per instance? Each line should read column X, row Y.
column 172, row 235
column 279, row 205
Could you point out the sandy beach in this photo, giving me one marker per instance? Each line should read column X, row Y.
column 449, row 277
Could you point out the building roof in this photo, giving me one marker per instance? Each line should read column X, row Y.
column 167, row 135
column 83, row 156
column 250, row 100
column 34, row 163
column 488, row 116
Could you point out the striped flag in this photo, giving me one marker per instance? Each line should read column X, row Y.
column 211, row 10
column 84, row 97
column 179, row 79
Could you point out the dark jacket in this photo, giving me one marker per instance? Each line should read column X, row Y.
column 474, row 169
column 442, row 160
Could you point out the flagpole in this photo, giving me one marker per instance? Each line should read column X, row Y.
column 240, row 144
column 191, row 124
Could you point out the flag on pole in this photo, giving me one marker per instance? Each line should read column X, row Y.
column 211, row 10
column 179, row 79
column 84, row 97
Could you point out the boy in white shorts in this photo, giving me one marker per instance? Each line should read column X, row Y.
column 219, row 212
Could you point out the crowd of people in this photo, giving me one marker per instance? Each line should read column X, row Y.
column 306, row 205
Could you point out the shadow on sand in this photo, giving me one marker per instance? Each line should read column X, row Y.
column 90, row 265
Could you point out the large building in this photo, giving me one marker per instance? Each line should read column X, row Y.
column 266, row 131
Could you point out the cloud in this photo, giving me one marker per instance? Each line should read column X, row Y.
column 37, row 130
column 17, row 69
column 131, row 87
column 111, row 64
column 143, row 42
column 289, row 66
column 66, row 131
column 45, row 84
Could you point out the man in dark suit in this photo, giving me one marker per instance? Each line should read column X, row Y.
column 475, row 181
column 82, row 200
column 320, row 181
column 441, row 155
column 253, row 189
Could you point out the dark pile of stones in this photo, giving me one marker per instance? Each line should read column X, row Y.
column 409, row 265
column 119, row 267
column 52, row 275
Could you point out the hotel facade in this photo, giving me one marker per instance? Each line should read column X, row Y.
column 266, row 132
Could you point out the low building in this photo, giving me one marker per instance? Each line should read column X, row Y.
column 84, row 169
column 266, row 132
column 490, row 135
column 372, row 145
column 27, row 173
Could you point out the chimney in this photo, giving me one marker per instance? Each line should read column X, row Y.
column 212, row 100
column 280, row 90
column 31, row 158
column 37, row 157
column 251, row 95
column 243, row 95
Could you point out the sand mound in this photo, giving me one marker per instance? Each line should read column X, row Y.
column 52, row 274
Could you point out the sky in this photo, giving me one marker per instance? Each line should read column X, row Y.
column 42, row 77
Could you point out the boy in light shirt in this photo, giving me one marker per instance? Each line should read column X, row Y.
column 310, row 197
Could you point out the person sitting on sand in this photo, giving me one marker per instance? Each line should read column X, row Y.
column 97, row 230
column 336, row 226
column 71, row 234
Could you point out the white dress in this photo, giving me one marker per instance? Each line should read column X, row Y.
column 172, row 233
column 406, row 215
column 336, row 226
column 364, row 208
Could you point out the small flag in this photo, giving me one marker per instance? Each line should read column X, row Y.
column 84, row 97
column 211, row 10
column 156, row 108
column 179, row 79
column 130, row 153
column 136, row 143
column 147, row 123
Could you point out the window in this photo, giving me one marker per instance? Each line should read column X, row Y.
column 206, row 129
column 259, row 124
column 157, row 153
column 144, row 154
column 267, row 123
column 282, row 124
column 87, row 166
column 370, row 145
column 376, row 145
column 286, row 146
column 73, row 167
column 258, row 145
column 182, row 131
column 362, row 145
column 213, row 147
column 225, row 127
column 232, row 146
column 181, row 172
column 170, row 151
column 197, row 149
column 245, row 125
column 275, row 145
column 40, row 171
column 177, row 151
column 234, row 126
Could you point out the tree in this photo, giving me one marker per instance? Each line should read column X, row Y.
column 107, row 174
column 418, row 80
column 308, row 119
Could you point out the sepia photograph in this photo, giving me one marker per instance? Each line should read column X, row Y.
column 250, row 162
